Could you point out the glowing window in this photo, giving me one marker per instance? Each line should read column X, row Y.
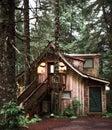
column 62, row 67
column 41, row 68
column 51, row 68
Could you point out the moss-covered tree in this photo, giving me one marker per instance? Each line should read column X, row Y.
column 7, row 52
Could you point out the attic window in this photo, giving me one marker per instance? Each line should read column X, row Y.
column 41, row 68
column 62, row 67
column 88, row 63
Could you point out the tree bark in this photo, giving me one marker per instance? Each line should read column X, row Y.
column 56, row 92
column 7, row 52
column 57, row 23
column 26, row 43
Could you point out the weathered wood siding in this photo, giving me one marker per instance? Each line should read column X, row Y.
column 79, row 88
column 74, row 83
column 76, row 63
column 95, row 70
column 104, row 109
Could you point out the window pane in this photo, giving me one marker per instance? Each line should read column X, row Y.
column 51, row 68
column 88, row 63
column 41, row 68
column 66, row 94
column 62, row 67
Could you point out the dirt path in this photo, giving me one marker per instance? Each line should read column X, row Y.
column 72, row 124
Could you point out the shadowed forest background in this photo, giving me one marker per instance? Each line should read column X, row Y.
column 26, row 27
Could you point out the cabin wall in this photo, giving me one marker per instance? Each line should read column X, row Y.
column 79, row 88
column 104, row 110
column 94, row 71
column 86, row 97
column 76, row 63
column 74, row 84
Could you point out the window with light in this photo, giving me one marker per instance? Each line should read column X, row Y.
column 41, row 68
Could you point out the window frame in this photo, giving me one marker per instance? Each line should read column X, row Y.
column 41, row 69
column 92, row 63
column 66, row 97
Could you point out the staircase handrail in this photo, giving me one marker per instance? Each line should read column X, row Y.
column 27, row 91
column 35, row 90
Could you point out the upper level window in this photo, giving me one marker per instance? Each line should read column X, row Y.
column 62, row 67
column 52, row 68
column 88, row 63
column 41, row 68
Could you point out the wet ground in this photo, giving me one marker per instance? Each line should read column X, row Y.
column 84, row 123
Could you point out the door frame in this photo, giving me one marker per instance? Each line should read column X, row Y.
column 100, row 109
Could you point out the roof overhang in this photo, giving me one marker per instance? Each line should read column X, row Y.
column 83, row 74
column 99, row 80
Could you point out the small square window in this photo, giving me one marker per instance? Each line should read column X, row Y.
column 88, row 63
column 66, row 94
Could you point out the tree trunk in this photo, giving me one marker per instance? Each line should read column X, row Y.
column 56, row 91
column 26, row 43
column 57, row 23
column 7, row 52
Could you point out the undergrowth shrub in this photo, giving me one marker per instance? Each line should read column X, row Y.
column 108, row 115
column 14, row 117
column 76, row 104
column 68, row 111
column 71, row 110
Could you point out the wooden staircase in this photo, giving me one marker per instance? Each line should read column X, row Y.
column 31, row 96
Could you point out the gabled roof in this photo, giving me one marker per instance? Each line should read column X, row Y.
column 76, row 70
column 63, row 58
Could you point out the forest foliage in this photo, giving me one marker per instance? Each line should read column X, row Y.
column 85, row 27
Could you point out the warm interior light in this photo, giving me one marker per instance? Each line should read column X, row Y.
column 62, row 67
column 52, row 69
column 41, row 68
column 42, row 64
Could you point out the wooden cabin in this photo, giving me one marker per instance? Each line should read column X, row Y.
column 57, row 78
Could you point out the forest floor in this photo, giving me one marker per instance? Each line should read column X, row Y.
column 82, row 123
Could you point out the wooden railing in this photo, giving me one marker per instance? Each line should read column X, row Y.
column 29, row 91
column 37, row 92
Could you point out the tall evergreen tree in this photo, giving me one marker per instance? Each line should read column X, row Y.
column 19, row 39
column 7, row 52
column 56, row 102
column 85, row 27
column 26, row 43
column 91, row 23
column 42, row 29
column 97, row 33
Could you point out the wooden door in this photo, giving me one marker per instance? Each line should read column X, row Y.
column 95, row 104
